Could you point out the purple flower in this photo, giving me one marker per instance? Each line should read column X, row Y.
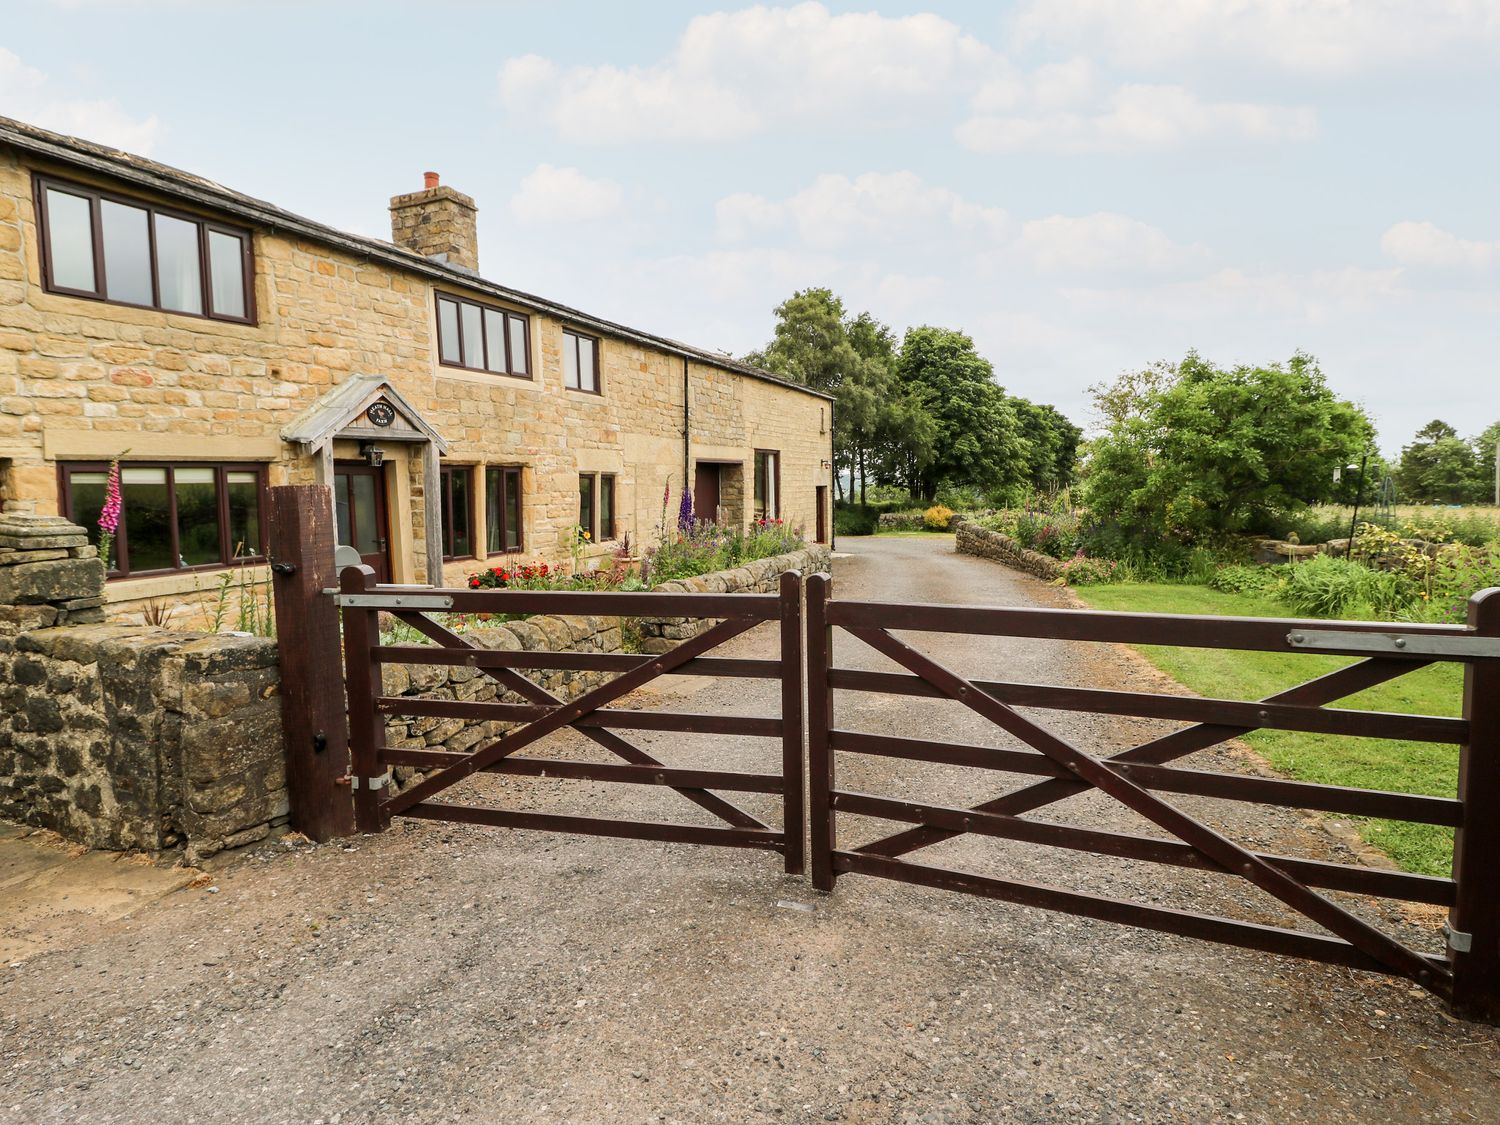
column 685, row 511
column 109, row 515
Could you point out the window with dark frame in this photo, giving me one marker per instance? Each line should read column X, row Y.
column 596, row 505
column 606, row 507
column 586, row 509
column 458, row 511
column 502, row 509
column 580, row 362
column 767, row 484
column 172, row 516
column 107, row 247
column 479, row 337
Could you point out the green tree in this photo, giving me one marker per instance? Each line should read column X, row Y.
column 1195, row 452
column 853, row 358
column 1441, row 467
column 977, row 437
column 1052, row 443
column 1484, row 452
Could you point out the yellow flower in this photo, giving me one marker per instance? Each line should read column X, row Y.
column 587, row 535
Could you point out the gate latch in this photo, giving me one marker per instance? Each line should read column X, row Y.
column 1458, row 941
column 354, row 782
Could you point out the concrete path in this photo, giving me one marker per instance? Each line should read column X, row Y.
column 443, row 973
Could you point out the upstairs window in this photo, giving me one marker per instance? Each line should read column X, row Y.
column 482, row 338
column 580, row 362
column 172, row 517
column 767, row 484
column 458, row 512
column 111, row 248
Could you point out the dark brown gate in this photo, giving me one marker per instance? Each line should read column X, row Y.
column 1469, row 975
column 543, row 713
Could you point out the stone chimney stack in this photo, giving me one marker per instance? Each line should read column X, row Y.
column 437, row 222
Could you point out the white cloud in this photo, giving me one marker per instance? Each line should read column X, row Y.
column 563, row 195
column 1133, row 116
column 878, row 207
column 1103, row 243
column 1428, row 246
column 30, row 95
column 1314, row 36
column 733, row 74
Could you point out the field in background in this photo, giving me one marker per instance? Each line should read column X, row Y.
column 1366, row 763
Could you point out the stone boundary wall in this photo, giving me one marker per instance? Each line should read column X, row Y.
column 987, row 544
column 659, row 634
column 124, row 737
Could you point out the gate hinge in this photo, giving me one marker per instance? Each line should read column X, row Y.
column 354, row 782
column 1458, row 941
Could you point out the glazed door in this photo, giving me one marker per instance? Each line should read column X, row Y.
column 359, row 506
column 706, row 491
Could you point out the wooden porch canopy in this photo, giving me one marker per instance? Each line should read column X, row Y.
column 349, row 412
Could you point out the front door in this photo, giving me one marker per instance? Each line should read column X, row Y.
column 822, row 513
column 359, row 505
column 706, row 491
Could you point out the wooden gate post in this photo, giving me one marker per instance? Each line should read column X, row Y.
column 794, row 812
column 1474, row 921
column 307, row 638
column 820, row 780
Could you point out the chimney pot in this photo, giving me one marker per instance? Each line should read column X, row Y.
column 429, row 179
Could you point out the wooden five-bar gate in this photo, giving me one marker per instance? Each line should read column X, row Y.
column 1467, row 975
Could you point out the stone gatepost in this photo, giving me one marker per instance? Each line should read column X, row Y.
column 49, row 575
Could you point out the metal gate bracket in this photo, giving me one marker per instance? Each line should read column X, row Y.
column 368, row 782
column 1458, row 941
column 1404, row 644
column 394, row 601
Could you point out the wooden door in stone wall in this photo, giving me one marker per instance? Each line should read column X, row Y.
column 706, row 491
column 362, row 521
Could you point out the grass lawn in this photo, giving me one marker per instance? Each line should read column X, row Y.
column 1366, row 763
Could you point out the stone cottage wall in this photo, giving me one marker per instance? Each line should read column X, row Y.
column 986, row 544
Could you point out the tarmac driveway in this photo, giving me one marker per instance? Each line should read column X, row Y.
column 446, row 973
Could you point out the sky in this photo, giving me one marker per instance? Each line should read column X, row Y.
column 1083, row 186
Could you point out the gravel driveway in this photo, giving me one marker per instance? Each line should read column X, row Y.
column 443, row 973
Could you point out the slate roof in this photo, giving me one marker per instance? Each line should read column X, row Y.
column 204, row 192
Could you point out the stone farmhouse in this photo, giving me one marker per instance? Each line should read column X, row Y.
column 217, row 345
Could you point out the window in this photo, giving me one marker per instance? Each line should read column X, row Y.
column 502, row 509
column 172, row 517
column 110, row 248
column 586, row 509
column 482, row 338
column 458, row 511
column 580, row 362
column 596, row 505
column 767, row 484
column 606, row 507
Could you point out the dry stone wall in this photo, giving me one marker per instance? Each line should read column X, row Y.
column 981, row 541
column 762, row 576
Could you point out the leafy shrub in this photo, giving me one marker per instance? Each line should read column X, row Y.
column 1325, row 586
column 937, row 518
column 855, row 519
column 960, row 497
column 703, row 546
column 1081, row 570
column 1252, row 580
